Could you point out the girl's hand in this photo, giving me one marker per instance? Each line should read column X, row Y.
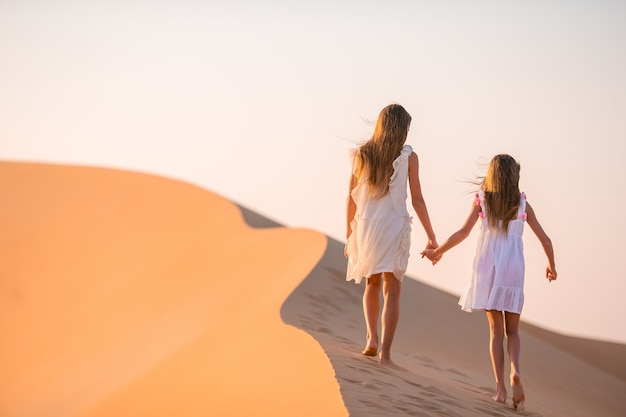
column 550, row 273
column 430, row 254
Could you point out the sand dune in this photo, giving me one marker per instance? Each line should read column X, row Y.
column 125, row 294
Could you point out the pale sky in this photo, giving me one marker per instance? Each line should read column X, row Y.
column 260, row 102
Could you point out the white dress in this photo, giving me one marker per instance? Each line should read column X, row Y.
column 498, row 272
column 381, row 228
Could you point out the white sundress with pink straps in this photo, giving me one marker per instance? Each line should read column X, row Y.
column 498, row 271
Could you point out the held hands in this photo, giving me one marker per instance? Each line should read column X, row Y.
column 432, row 255
column 430, row 252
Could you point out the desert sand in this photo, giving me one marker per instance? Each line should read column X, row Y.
column 126, row 294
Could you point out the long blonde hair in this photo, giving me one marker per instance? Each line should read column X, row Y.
column 374, row 159
column 501, row 188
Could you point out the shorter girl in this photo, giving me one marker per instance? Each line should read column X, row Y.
column 497, row 285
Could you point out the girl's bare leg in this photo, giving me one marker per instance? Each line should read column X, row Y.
column 371, row 310
column 514, row 346
column 496, row 350
column 391, row 314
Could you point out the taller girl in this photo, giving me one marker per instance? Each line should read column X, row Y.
column 379, row 225
column 497, row 284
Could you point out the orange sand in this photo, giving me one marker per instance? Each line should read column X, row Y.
column 126, row 294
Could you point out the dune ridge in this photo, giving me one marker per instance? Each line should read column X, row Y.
column 125, row 294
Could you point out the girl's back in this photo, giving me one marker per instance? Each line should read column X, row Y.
column 381, row 227
column 394, row 201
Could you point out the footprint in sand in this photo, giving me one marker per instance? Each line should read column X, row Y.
column 488, row 390
column 345, row 341
column 437, row 410
column 489, row 412
column 364, row 384
column 415, row 384
column 432, row 391
column 470, row 387
column 359, row 368
column 427, row 362
column 383, row 383
column 406, row 411
column 459, row 373
column 412, row 398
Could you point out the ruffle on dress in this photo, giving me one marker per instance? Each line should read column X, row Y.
column 400, row 160
column 482, row 297
column 399, row 198
column 402, row 261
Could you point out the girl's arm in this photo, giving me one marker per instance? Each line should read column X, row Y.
column 457, row 237
column 532, row 221
column 417, row 200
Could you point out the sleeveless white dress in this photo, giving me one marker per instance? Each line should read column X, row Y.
column 498, row 272
column 381, row 228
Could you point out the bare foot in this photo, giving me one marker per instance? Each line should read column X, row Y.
column 371, row 345
column 518, row 392
column 385, row 359
column 500, row 396
column 370, row 351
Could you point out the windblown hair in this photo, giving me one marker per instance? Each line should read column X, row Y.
column 374, row 159
column 502, row 195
